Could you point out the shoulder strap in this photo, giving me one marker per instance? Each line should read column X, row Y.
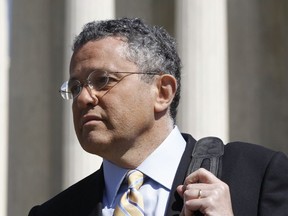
column 207, row 153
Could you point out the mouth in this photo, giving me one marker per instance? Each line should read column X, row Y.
column 90, row 119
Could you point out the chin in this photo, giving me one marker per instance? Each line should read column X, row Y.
column 91, row 149
column 95, row 146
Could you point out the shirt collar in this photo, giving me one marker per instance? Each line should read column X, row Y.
column 113, row 176
column 161, row 165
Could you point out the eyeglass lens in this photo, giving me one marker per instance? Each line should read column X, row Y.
column 96, row 80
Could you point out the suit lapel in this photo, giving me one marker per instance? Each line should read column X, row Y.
column 97, row 210
column 175, row 202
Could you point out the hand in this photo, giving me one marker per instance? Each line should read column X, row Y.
column 204, row 192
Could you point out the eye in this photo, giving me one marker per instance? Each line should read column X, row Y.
column 98, row 80
column 111, row 80
column 74, row 87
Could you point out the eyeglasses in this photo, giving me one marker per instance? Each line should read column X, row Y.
column 99, row 80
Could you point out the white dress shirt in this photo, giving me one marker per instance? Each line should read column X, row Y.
column 159, row 168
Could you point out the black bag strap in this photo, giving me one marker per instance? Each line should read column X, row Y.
column 207, row 153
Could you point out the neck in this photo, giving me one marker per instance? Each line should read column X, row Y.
column 143, row 146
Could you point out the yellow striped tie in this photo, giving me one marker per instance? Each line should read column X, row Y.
column 131, row 202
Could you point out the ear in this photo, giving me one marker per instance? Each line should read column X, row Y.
column 166, row 86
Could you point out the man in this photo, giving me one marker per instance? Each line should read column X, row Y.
column 125, row 86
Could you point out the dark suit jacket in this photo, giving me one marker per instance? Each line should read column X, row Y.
column 257, row 178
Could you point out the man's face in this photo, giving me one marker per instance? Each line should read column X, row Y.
column 109, row 125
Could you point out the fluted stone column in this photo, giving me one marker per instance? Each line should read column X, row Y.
column 35, row 132
column 202, row 37
column 4, row 65
column 78, row 163
column 258, row 72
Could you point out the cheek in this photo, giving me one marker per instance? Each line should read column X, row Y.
column 76, row 118
column 133, row 109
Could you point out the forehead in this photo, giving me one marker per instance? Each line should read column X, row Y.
column 106, row 54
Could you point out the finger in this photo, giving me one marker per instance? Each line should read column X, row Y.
column 180, row 190
column 193, row 194
column 190, row 207
column 195, row 187
column 194, row 205
column 201, row 175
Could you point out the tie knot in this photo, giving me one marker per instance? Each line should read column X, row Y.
column 131, row 202
column 135, row 179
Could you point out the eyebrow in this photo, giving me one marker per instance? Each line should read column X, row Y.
column 87, row 71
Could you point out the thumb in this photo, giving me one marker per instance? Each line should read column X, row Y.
column 180, row 190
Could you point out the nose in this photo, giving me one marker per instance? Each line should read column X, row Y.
column 87, row 97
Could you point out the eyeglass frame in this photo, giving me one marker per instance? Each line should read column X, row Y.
column 63, row 89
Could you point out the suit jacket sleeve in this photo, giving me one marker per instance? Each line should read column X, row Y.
column 274, row 193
